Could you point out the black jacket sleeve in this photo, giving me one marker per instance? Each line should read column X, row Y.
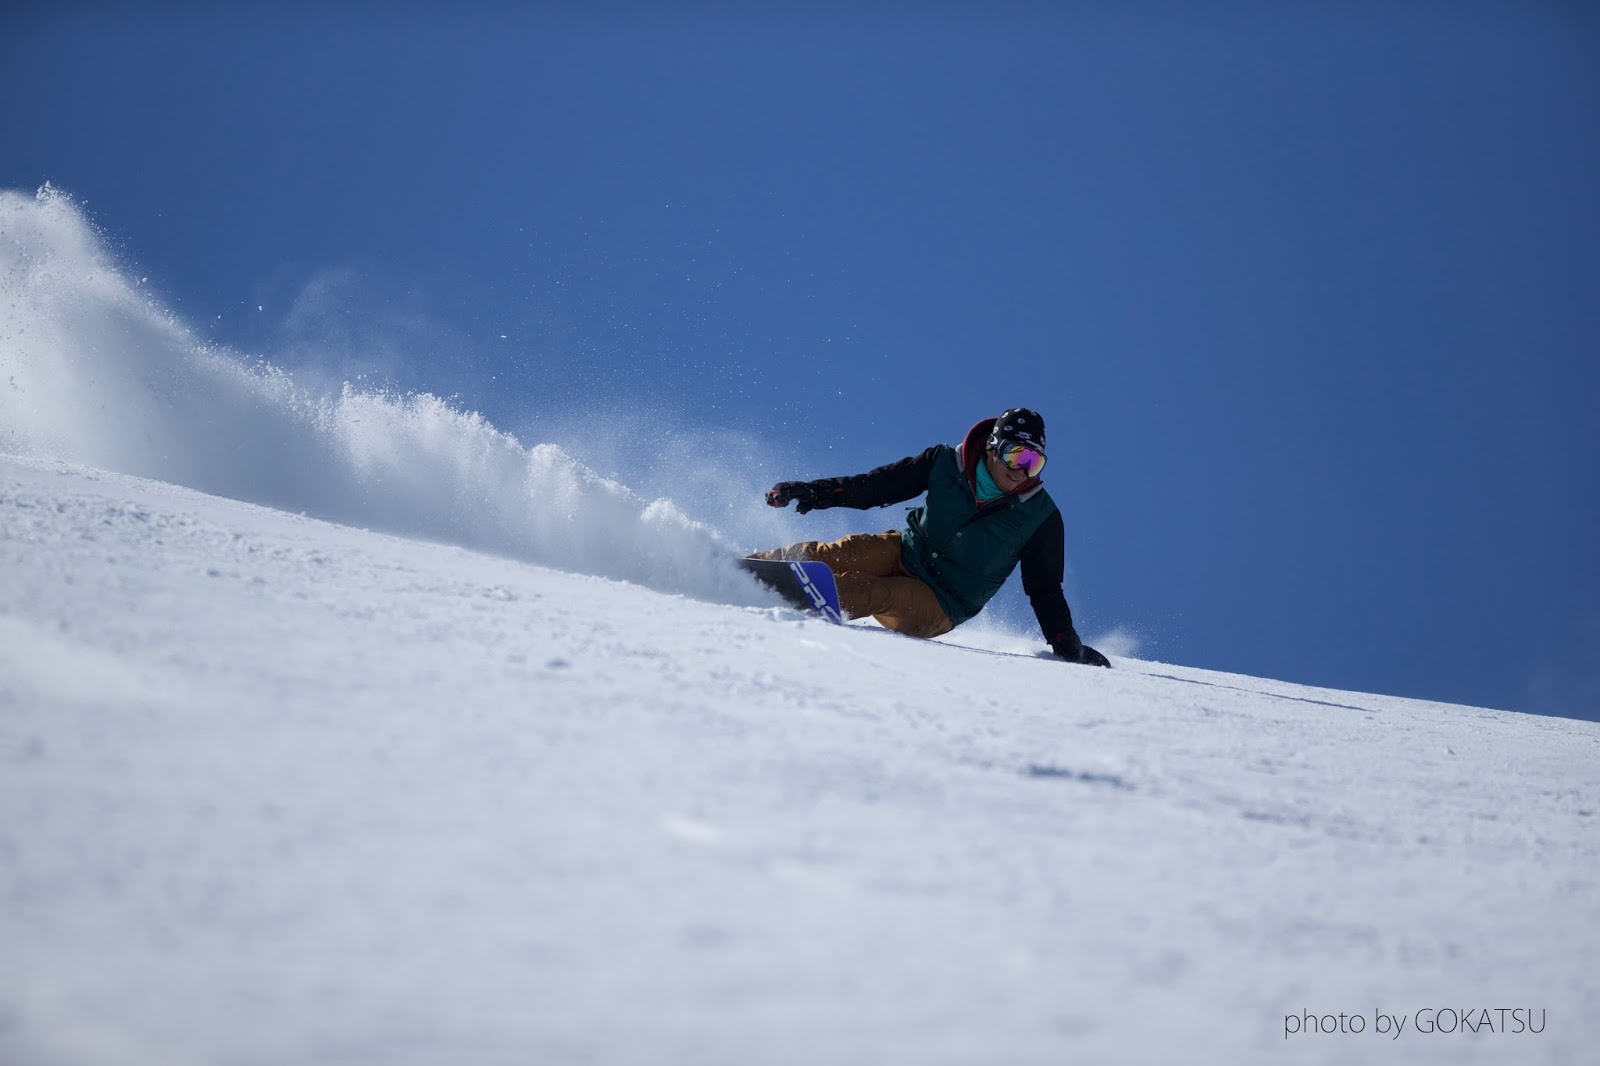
column 893, row 483
column 1044, row 564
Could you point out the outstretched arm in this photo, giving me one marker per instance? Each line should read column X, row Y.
column 1044, row 563
column 892, row 483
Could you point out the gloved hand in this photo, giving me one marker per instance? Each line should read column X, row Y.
column 1089, row 657
column 1070, row 648
column 812, row 495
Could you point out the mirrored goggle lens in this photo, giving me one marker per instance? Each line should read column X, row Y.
column 1022, row 457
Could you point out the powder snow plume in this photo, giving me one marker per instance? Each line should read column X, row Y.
column 92, row 371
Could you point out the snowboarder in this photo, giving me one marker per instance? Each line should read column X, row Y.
column 986, row 511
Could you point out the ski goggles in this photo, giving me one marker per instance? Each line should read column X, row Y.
column 1022, row 457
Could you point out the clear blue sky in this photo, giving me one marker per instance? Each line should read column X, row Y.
column 1310, row 301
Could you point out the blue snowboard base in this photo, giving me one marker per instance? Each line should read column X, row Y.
column 806, row 584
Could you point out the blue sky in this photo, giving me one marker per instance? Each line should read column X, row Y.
column 1310, row 301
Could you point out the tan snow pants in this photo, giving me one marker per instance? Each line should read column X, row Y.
column 866, row 567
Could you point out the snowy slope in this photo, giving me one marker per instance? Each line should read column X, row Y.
column 278, row 791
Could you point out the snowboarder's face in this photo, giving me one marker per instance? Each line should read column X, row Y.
column 1008, row 479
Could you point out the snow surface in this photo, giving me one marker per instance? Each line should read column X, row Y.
column 389, row 739
column 274, row 790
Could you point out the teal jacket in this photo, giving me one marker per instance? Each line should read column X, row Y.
column 965, row 550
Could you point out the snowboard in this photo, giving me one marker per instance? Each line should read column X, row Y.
column 807, row 585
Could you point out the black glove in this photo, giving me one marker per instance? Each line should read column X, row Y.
column 1070, row 648
column 812, row 495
